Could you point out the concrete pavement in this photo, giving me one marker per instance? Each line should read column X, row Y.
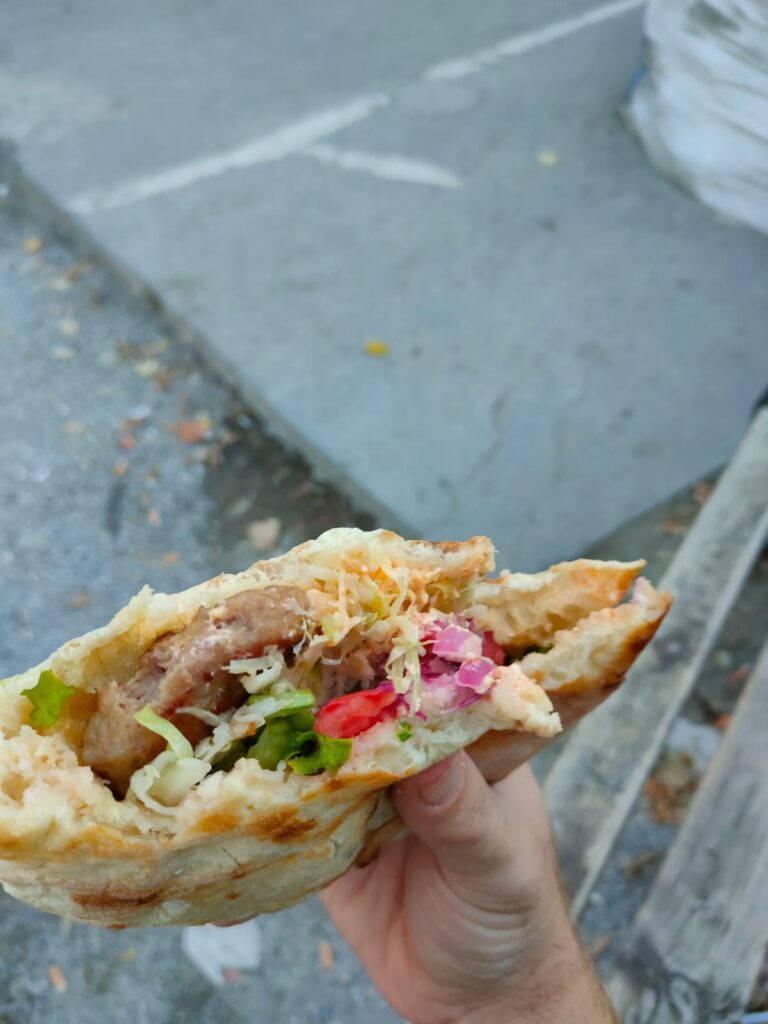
column 569, row 338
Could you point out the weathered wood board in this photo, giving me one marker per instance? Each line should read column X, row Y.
column 595, row 781
column 695, row 948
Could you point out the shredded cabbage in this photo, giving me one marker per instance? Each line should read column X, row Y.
column 174, row 783
column 163, row 783
column 329, row 626
column 373, row 603
column 377, row 626
column 443, row 591
column 281, row 704
column 369, row 599
column 259, row 673
column 166, row 780
column 403, row 665
column 205, row 716
column 282, row 686
column 222, row 736
column 176, row 740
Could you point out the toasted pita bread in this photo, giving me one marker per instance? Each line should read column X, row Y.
column 251, row 840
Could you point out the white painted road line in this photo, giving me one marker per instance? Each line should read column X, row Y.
column 515, row 46
column 291, row 139
column 391, row 167
column 302, row 137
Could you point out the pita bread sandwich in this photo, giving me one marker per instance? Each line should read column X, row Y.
column 228, row 750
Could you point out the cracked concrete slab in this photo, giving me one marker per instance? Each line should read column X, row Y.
column 570, row 338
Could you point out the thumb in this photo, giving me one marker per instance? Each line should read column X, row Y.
column 453, row 811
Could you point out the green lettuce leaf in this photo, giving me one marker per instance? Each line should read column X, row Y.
column 404, row 731
column 302, row 721
column 317, row 753
column 275, row 742
column 305, row 751
column 47, row 697
column 176, row 740
column 229, row 756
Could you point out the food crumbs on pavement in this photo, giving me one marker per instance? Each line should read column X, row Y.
column 670, row 789
column 192, row 431
column 739, row 675
column 147, row 368
column 673, row 527
column 263, row 534
column 56, row 978
column 635, row 868
column 702, row 491
column 376, row 348
column 68, row 327
column 548, row 158
column 74, row 428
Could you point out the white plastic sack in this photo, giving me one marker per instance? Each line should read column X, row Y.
column 702, row 108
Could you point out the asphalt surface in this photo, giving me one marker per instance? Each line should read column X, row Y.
column 570, row 338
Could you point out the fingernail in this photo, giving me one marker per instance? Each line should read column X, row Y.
column 439, row 784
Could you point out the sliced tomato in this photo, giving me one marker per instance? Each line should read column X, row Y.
column 353, row 713
column 492, row 650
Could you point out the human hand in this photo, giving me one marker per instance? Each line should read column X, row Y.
column 463, row 921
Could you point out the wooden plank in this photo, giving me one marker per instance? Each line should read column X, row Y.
column 593, row 784
column 695, row 948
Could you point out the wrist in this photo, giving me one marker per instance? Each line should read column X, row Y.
column 577, row 1007
column 563, row 990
